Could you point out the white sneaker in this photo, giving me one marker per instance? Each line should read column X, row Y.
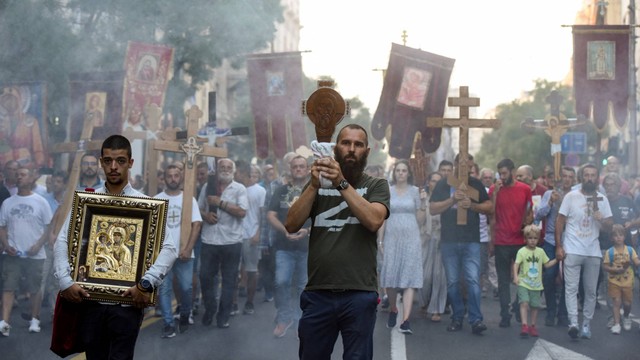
column 191, row 322
column 4, row 328
column 615, row 329
column 626, row 323
column 34, row 325
column 611, row 322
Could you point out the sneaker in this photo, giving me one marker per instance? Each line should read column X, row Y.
column 533, row 331
column 455, row 325
column 168, row 331
column 34, row 326
column 191, row 321
column 586, row 331
column 478, row 327
column 573, row 331
column 505, row 322
column 281, row 329
column 223, row 325
column 268, row 297
column 611, row 322
column 385, row 302
column 524, row 331
column 234, row 310
column 4, row 328
column 393, row 318
column 405, row 328
column 248, row 309
column 183, row 324
column 626, row 323
column 615, row 329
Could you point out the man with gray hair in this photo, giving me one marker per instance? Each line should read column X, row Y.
column 221, row 241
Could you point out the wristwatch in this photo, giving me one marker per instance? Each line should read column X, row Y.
column 145, row 285
column 342, row 185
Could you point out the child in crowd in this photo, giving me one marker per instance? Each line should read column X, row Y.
column 616, row 262
column 527, row 274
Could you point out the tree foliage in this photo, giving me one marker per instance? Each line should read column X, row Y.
column 45, row 40
column 527, row 146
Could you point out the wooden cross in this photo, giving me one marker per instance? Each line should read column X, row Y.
column 555, row 125
column 464, row 102
column 192, row 149
column 152, row 113
column 593, row 199
column 78, row 148
column 419, row 163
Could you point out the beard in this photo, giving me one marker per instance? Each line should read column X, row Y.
column 352, row 170
column 225, row 178
column 172, row 186
column 589, row 186
column 508, row 181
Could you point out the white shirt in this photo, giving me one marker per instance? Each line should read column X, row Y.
column 251, row 222
column 228, row 230
column 582, row 230
column 174, row 215
column 26, row 219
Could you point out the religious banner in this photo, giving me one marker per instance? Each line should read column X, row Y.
column 416, row 86
column 23, row 123
column 275, row 82
column 601, row 73
column 98, row 96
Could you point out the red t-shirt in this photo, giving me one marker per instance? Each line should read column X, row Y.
column 512, row 204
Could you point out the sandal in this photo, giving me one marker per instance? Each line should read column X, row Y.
column 435, row 318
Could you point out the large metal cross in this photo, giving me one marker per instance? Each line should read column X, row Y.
column 192, row 149
column 464, row 102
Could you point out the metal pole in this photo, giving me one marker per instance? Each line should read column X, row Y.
column 633, row 104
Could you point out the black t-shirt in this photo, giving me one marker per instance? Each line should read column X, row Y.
column 282, row 199
column 450, row 230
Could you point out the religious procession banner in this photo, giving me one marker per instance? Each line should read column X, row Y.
column 275, row 82
column 98, row 96
column 416, row 86
column 148, row 71
column 601, row 73
column 23, row 123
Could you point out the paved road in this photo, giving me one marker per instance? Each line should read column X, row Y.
column 250, row 338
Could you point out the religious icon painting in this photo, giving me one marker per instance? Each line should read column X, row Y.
column 113, row 241
column 23, row 124
column 414, row 87
column 94, row 104
column 601, row 62
column 275, row 83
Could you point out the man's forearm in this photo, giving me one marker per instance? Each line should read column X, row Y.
column 300, row 210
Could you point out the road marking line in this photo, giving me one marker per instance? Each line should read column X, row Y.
column 398, row 339
column 545, row 350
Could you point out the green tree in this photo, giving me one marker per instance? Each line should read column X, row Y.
column 48, row 39
column 528, row 146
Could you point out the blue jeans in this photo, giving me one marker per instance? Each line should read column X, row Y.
column 326, row 313
column 460, row 257
column 224, row 259
column 555, row 307
column 290, row 265
column 183, row 271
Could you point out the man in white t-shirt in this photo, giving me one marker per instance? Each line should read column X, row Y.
column 183, row 267
column 582, row 214
column 24, row 218
column 249, row 175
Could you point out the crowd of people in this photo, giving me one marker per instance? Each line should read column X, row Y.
column 282, row 233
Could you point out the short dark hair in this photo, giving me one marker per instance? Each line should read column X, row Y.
column 508, row 163
column 445, row 163
column 355, row 127
column 61, row 174
column 116, row 142
column 569, row 168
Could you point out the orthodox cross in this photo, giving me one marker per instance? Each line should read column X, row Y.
column 152, row 113
column 464, row 102
column 404, row 37
column 555, row 124
column 192, row 149
column 602, row 11
column 78, row 148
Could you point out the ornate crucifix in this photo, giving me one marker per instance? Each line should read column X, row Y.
column 192, row 149
column 464, row 102
column 593, row 199
column 555, row 125
column 325, row 108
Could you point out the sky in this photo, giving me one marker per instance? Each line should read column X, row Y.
column 500, row 46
